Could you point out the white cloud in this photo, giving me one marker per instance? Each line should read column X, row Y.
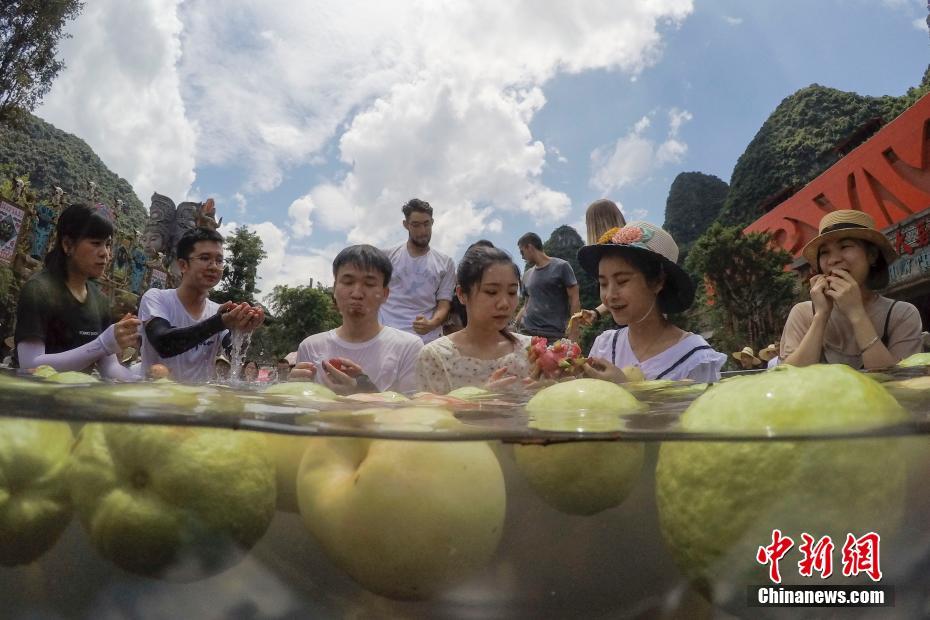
column 120, row 92
column 733, row 21
column 920, row 24
column 240, row 202
column 633, row 157
column 299, row 212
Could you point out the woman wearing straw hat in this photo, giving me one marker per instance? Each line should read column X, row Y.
column 846, row 321
column 640, row 284
column 747, row 358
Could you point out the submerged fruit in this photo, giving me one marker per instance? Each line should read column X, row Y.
column 582, row 477
column 170, row 502
column 720, row 501
column 406, row 519
column 35, row 506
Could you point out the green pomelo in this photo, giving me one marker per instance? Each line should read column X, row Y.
column 71, row 377
column 307, row 390
column 35, row 506
column 583, row 477
column 471, row 393
column 405, row 519
column 720, row 501
column 918, row 359
column 176, row 503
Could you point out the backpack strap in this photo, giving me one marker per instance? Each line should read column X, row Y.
column 887, row 320
column 682, row 359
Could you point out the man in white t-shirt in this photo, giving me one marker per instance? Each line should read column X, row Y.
column 423, row 280
column 184, row 329
column 361, row 354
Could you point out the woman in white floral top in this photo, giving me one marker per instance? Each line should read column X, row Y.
column 485, row 353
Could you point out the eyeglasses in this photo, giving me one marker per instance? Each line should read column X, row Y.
column 207, row 259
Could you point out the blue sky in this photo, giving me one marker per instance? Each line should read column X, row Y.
column 314, row 122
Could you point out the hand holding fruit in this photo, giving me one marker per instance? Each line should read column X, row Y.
column 303, row 371
column 500, row 380
column 340, row 374
column 822, row 304
column 844, row 291
column 556, row 361
column 126, row 331
column 597, row 368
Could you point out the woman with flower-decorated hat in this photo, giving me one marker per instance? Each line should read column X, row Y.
column 846, row 321
column 640, row 284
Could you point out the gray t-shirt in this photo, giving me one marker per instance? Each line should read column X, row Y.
column 544, row 289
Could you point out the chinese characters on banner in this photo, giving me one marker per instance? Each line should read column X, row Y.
column 859, row 555
column 912, row 243
column 11, row 220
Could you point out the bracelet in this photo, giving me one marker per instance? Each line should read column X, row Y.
column 597, row 314
column 866, row 347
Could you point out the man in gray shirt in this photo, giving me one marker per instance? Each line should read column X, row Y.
column 550, row 291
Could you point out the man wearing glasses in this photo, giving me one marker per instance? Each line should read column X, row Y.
column 184, row 329
column 423, row 279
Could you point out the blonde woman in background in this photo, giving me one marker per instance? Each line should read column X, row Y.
column 601, row 216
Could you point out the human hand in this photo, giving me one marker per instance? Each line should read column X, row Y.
column 126, row 331
column 235, row 316
column 422, row 325
column 598, row 368
column 845, row 293
column 500, row 380
column 340, row 377
column 303, row 371
column 823, row 304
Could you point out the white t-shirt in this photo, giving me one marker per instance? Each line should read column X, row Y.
column 389, row 359
column 676, row 362
column 194, row 365
column 417, row 285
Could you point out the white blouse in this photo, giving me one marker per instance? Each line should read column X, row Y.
column 689, row 358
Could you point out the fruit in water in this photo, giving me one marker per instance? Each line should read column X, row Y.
column 720, row 501
column 406, row 519
column 918, row 359
column 35, row 506
column 303, row 389
column 581, row 477
column 178, row 503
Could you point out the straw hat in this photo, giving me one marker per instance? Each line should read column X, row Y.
column 768, row 353
column 291, row 358
column 747, row 352
column 642, row 237
column 222, row 358
column 847, row 223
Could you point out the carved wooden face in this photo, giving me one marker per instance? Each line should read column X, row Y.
column 153, row 241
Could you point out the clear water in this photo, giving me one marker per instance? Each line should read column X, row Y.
column 612, row 564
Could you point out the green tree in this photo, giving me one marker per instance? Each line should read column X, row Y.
column 746, row 293
column 299, row 311
column 244, row 252
column 564, row 243
column 30, row 31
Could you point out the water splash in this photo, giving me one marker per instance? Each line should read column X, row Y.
column 240, row 345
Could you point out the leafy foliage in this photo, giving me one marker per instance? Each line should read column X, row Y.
column 796, row 143
column 694, row 201
column 244, row 252
column 48, row 157
column 299, row 311
column 30, row 31
column 746, row 293
column 9, row 293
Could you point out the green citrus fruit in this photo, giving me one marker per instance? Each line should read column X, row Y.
column 582, row 477
column 720, row 501
column 172, row 502
column 34, row 503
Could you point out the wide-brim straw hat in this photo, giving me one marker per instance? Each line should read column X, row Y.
column 848, row 224
column 677, row 294
column 747, row 352
column 768, row 353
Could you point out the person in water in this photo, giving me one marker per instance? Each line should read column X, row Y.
column 63, row 320
column 641, row 283
column 847, row 321
column 485, row 352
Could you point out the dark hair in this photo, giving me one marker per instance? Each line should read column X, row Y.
column 415, row 204
column 189, row 239
column 532, row 239
column 77, row 222
column 365, row 257
column 245, row 365
column 650, row 265
column 480, row 243
column 471, row 270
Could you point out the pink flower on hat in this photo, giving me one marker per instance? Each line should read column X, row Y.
column 628, row 235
